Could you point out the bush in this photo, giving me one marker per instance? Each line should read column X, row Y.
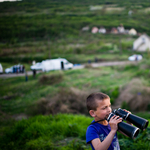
column 42, row 143
column 124, row 105
column 66, row 101
column 51, row 79
column 113, row 94
column 60, row 132
column 46, row 132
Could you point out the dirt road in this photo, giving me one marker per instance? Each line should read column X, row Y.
column 75, row 67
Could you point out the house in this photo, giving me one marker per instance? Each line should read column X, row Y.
column 132, row 32
column 102, row 30
column 142, row 43
column 94, row 30
column 86, row 28
column 121, row 29
column 130, row 12
column 114, row 31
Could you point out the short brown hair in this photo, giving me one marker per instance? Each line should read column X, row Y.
column 91, row 100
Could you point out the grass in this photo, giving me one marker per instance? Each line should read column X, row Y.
column 17, row 95
column 61, row 131
column 43, row 131
column 20, row 94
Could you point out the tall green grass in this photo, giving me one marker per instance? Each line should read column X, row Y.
column 59, row 132
column 47, row 132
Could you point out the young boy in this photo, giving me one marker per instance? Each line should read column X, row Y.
column 102, row 135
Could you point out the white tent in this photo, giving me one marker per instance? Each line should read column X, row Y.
column 132, row 32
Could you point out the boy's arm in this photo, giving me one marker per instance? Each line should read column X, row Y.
column 104, row 145
column 98, row 145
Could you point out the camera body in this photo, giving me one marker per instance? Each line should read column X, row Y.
column 129, row 130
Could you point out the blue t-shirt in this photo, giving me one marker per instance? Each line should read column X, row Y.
column 100, row 131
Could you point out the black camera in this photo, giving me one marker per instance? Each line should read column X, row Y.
column 126, row 128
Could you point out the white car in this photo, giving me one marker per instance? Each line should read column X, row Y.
column 37, row 66
column 52, row 64
column 15, row 69
column 135, row 57
column 1, row 69
column 9, row 70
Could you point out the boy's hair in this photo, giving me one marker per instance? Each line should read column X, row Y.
column 92, row 98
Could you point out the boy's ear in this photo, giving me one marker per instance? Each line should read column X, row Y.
column 92, row 113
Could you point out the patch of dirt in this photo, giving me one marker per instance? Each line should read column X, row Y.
column 135, row 94
column 71, row 100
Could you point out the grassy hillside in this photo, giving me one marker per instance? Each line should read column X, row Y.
column 64, row 87
column 48, row 28
column 42, row 19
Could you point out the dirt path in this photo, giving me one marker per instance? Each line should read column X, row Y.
column 116, row 63
column 75, row 67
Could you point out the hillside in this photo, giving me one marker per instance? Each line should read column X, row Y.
column 25, row 20
column 44, row 29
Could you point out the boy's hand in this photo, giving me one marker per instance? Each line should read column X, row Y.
column 114, row 120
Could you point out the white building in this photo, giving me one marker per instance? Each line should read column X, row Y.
column 132, row 32
column 94, row 30
column 102, row 30
column 86, row 28
column 142, row 43
column 121, row 29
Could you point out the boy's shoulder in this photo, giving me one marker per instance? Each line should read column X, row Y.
column 95, row 126
column 96, row 123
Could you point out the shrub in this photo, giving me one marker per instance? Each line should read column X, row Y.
column 113, row 93
column 66, row 101
column 124, row 105
column 47, row 132
column 42, row 143
column 76, row 144
column 51, row 79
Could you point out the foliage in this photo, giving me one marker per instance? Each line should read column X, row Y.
column 52, row 79
column 46, row 132
column 125, row 106
column 113, row 93
column 138, row 142
column 61, row 131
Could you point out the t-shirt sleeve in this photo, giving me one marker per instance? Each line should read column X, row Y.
column 91, row 134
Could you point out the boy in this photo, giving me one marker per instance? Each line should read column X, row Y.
column 102, row 135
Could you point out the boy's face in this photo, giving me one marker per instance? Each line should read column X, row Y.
column 103, row 110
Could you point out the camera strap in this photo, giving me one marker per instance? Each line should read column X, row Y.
column 96, row 121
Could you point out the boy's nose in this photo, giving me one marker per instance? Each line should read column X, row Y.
column 109, row 109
